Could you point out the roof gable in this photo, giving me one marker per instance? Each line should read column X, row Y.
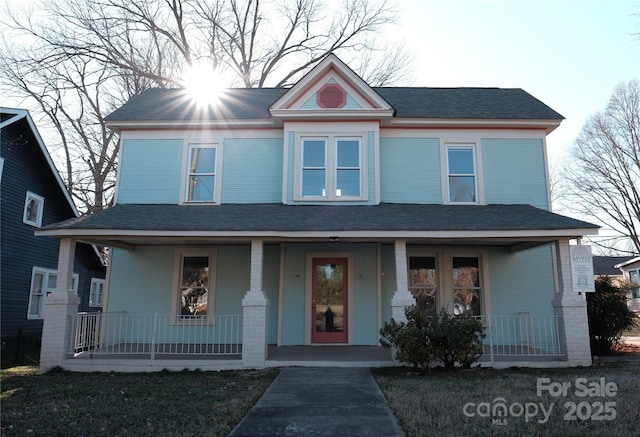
column 331, row 87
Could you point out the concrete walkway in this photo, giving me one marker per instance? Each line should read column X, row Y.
column 321, row 402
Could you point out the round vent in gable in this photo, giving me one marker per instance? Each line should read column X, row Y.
column 331, row 95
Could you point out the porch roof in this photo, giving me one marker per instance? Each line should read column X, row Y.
column 147, row 223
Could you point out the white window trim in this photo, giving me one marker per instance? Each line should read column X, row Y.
column 95, row 282
column 331, row 165
column 45, row 291
column 180, row 253
column 184, row 183
column 445, row 145
column 444, row 272
column 40, row 200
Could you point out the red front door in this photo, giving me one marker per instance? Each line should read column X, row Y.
column 329, row 300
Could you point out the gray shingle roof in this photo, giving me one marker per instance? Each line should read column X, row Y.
column 604, row 265
column 319, row 218
column 253, row 104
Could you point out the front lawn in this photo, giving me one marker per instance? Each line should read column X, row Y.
column 128, row 404
column 599, row 400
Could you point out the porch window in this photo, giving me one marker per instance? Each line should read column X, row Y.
column 33, row 209
column 195, row 280
column 467, row 292
column 462, row 173
column 331, row 168
column 96, row 292
column 43, row 282
column 201, row 174
column 423, row 282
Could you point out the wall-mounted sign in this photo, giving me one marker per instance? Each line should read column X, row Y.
column 582, row 269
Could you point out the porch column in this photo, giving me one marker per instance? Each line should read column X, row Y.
column 254, row 314
column 60, row 306
column 402, row 297
column 572, row 308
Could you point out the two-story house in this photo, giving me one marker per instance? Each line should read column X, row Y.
column 285, row 226
column 32, row 195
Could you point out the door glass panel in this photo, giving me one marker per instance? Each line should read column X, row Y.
column 329, row 308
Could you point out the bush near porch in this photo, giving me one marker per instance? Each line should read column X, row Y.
column 455, row 341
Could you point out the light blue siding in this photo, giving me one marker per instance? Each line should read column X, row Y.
column 252, row 170
column 150, row 171
column 141, row 281
column 521, row 281
column 271, row 287
column 388, row 280
column 232, row 278
column 365, row 295
column 410, row 170
column 514, row 172
column 293, row 301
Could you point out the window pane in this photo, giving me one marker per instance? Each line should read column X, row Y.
column 203, row 160
column 634, row 278
column 422, row 282
column 52, row 280
column 313, row 183
column 466, row 284
column 195, row 286
column 36, row 302
column 313, row 155
column 201, row 188
column 38, row 281
column 461, row 161
column 348, row 183
column 462, row 189
column 195, row 271
column 348, row 153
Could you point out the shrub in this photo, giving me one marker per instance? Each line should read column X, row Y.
column 609, row 316
column 423, row 339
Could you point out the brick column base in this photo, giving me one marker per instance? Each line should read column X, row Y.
column 254, row 329
column 60, row 307
column 574, row 328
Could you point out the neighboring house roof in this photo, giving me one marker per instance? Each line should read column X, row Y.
column 158, row 104
column 278, row 218
column 628, row 262
column 9, row 116
column 608, row 265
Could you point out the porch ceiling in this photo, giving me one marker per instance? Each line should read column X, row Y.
column 514, row 226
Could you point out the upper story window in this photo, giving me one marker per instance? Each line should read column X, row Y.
column 462, row 173
column 201, row 173
column 43, row 282
column 33, row 209
column 331, row 168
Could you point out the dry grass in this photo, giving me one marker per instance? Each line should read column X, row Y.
column 110, row 404
column 433, row 405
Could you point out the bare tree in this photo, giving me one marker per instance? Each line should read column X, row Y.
column 602, row 181
column 79, row 59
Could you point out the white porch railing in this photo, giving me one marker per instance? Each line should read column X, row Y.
column 522, row 335
column 120, row 333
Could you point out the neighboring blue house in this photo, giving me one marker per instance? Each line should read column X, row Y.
column 285, row 226
column 33, row 196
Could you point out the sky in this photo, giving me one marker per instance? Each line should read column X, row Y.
column 571, row 54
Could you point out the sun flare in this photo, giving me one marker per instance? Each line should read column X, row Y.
column 203, row 84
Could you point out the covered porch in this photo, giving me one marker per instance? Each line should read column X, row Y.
column 393, row 230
